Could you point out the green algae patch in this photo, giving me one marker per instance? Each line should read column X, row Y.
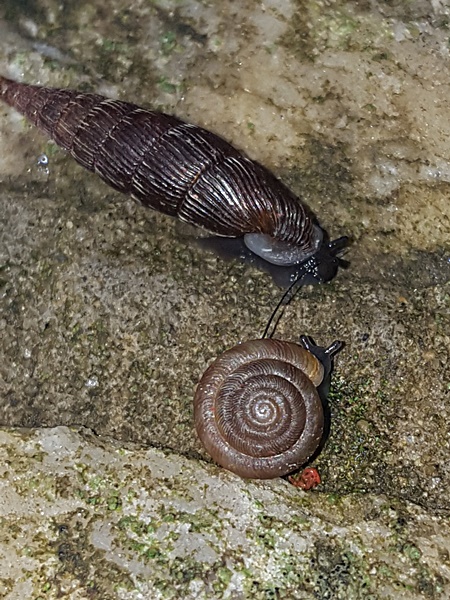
column 117, row 521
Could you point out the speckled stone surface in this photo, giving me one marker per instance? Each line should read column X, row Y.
column 83, row 518
column 110, row 312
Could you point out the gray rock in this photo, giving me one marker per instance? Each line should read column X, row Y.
column 110, row 312
column 83, row 517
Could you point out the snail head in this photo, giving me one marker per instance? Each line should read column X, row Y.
column 323, row 264
column 325, row 355
column 319, row 267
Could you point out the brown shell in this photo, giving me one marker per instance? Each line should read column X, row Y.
column 257, row 410
column 166, row 164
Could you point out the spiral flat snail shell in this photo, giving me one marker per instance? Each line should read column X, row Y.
column 257, row 410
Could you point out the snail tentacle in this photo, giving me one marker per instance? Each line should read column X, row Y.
column 324, row 355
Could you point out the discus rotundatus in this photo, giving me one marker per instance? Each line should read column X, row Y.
column 257, row 410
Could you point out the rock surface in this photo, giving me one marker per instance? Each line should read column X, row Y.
column 110, row 312
column 85, row 518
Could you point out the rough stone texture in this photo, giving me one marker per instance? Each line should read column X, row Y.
column 110, row 313
column 83, row 519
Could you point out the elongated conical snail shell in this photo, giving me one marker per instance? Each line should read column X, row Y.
column 176, row 168
column 257, row 410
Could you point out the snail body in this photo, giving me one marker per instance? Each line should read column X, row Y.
column 179, row 169
column 257, row 409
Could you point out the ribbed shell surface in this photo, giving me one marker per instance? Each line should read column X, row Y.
column 166, row 164
column 257, row 410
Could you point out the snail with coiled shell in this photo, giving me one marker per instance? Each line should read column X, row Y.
column 257, row 409
column 184, row 171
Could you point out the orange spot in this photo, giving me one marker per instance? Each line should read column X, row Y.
column 308, row 479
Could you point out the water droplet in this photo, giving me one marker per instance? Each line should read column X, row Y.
column 92, row 382
column 42, row 163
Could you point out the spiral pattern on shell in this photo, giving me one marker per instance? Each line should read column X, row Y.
column 257, row 410
column 169, row 165
column 184, row 171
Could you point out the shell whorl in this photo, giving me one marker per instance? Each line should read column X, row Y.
column 166, row 164
column 257, row 410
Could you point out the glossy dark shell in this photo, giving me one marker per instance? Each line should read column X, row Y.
column 166, row 164
column 257, row 410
